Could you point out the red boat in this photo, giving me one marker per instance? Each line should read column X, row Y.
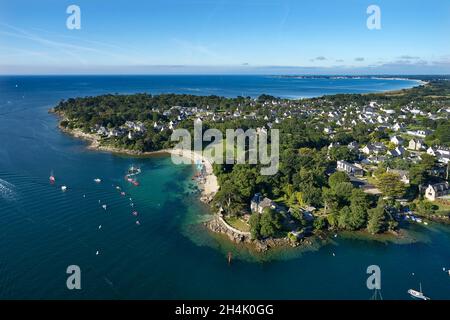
column 131, row 180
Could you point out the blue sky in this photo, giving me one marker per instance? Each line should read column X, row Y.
column 220, row 36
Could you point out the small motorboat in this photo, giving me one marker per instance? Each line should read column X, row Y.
column 63, row 188
column 97, row 253
column 99, row 227
column 135, row 213
column 131, row 180
column 117, row 187
column 104, row 206
column 122, row 193
column 97, row 180
column 52, row 179
column 138, row 223
column 418, row 294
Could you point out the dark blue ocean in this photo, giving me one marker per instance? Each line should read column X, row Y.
column 169, row 255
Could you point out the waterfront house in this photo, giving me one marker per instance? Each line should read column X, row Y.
column 102, row 131
column 259, row 203
column 437, row 190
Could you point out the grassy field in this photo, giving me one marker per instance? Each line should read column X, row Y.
column 238, row 223
column 444, row 209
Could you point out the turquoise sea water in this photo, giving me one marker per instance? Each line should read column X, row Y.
column 169, row 255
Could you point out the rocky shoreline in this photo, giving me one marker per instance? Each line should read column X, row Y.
column 218, row 225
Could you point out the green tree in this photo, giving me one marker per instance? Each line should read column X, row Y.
column 376, row 220
column 443, row 133
column 344, row 218
column 229, row 198
column 270, row 223
column 330, row 200
column 359, row 205
column 320, row 223
column 255, row 225
column 425, row 208
column 338, row 177
column 343, row 191
column 390, row 185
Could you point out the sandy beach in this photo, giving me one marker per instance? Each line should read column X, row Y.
column 209, row 186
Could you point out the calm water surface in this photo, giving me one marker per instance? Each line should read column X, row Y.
column 169, row 255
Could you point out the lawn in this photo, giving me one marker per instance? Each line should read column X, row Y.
column 444, row 209
column 238, row 223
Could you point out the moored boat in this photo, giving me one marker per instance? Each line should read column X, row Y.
column 418, row 294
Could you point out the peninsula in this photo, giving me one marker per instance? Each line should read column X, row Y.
column 371, row 162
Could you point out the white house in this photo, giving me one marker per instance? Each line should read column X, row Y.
column 398, row 127
column 419, row 133
column 375, row 148
column 397, row 140
column 258, row 203
column 437, row 190
column 349, row 168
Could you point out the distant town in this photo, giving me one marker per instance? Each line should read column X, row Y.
column 372, row 163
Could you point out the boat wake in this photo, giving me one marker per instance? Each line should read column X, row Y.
column 7, row 191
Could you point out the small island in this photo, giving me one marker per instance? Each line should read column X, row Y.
column 356, row 162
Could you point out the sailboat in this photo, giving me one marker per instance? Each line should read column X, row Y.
column 418, row 294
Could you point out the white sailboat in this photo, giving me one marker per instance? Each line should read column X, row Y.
column 418, row 294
